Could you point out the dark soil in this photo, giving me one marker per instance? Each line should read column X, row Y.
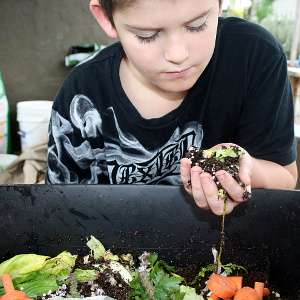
column 119, row 290
column 212, row 164
column 254, row 274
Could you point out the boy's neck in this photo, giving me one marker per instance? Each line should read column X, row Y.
column 148, row 99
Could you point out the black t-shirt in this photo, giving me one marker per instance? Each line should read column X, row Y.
column 244, row 96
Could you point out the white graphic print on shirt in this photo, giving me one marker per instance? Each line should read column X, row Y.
column 123, row 158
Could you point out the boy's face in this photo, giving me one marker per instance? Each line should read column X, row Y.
column 167, row 43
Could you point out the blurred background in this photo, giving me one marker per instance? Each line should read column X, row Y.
column 278, row 16
column 36, row 35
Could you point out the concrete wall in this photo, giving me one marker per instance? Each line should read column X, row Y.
column 35, row 36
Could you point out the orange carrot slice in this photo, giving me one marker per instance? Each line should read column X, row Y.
column 238, row 281
column 10, row 292
column 246, row 293
column 259, row 288
column 7, row 283
column 214, row 297
column 266, row 292
column 222, row 286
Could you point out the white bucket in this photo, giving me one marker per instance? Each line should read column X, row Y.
column 6, row 160
column 3, row 129
column 33, row 118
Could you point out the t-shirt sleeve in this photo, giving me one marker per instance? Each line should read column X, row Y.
column 74, row 155
column 266, row 124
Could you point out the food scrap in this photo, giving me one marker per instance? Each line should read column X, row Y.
column 117, row 277
column 225, row 287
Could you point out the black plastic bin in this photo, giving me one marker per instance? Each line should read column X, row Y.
column 49, row 219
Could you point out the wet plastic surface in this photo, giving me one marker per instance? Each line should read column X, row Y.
column 49, row 219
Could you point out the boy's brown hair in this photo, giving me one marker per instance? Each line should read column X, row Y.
column 111, row 5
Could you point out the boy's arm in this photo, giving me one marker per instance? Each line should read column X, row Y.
column 255, row 173
column 268, row 174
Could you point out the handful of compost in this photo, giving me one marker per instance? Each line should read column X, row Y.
column 211, row 161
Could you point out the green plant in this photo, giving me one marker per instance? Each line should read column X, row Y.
column 263, row 8
column 155, row 280
column 238, row 12
column 282, row 28
column 229, row 268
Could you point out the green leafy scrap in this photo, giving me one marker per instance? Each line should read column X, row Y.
column 20, row 267
column 190, row 293
column 208, row 268
column 96, row 246
column 160, row 265
column 229, row 268
column 37, row 274
column 139, row 291
column 221, row 154
column 84, row 275
column 41, row 283
column 166, row 284
column 154, row 280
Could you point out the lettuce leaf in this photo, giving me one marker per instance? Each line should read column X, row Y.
column 61, row 265
column 37, row 274
column 41, row 283
column 221, row 154
column 190, row 293
column 96, row 247
column 22, row 264
column 85, row 275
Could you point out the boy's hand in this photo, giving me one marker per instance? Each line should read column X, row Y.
column 204, row 189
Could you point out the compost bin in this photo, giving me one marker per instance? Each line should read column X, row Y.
column 46, row 220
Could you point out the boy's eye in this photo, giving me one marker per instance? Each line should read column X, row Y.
column 147, row 39
column 198, row 28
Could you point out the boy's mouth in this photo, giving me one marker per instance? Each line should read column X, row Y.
column 178, row 74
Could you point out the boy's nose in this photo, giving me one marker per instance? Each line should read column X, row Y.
column 176, row 51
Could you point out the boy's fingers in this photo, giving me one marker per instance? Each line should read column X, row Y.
column 210, row 191
column 233, row 188
column 197, row 190
column 230, row 205
column 205, row 192
column 185, row 172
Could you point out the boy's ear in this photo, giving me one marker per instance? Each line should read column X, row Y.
column 220, row 7
column 102, row 18
column 220, row 11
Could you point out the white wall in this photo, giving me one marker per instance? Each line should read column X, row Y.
column 285, row 8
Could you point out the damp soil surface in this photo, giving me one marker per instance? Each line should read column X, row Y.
column 119, row 289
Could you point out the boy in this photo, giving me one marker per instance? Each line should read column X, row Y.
column 179, row 76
